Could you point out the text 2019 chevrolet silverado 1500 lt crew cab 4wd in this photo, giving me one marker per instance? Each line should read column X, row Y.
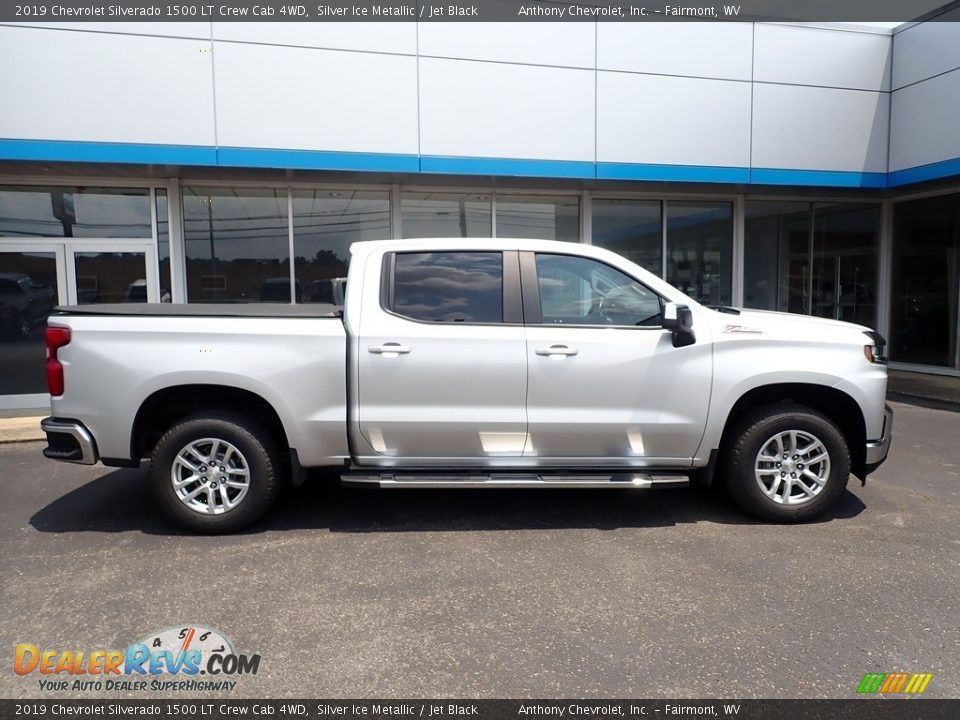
column 470, row 363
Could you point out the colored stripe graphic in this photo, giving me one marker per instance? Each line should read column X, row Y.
column 871, row 682
column 893, row 683
column 918, row 683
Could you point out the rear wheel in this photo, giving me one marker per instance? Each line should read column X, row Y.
column 215, row 473
column 786, row 463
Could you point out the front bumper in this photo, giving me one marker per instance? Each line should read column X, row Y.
column 877, row 450
column 68, row 441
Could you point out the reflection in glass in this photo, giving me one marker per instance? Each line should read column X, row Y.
column 237, row 244
column 430, row 214
column 926, row 281
column 776, row 258
column 28, row 293
column 846, row 238
column 539, row 217
column 111, row 277
column 325, row 224
column 631, row 228
column 700, row 249
column 449, row 286
column 75, row 212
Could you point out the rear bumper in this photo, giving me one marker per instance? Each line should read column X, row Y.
column 68, row 441
column 877, row 450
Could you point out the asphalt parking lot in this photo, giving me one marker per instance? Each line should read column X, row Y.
column 480, row 593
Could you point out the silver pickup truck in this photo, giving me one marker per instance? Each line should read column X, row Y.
column 465, row 364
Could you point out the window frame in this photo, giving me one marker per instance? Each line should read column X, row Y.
column 512, row 308
column 530, row 282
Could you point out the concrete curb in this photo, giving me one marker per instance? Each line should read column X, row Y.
column 924, row 401
column 21, row 429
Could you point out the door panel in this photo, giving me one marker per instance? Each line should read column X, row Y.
column 606, row 385
column 444, row 384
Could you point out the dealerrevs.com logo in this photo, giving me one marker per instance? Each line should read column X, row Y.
column 188, row 658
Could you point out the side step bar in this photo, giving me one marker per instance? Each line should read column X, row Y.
column 514, row 480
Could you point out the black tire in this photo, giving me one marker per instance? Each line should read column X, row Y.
column 749, row 436
column 257, row 448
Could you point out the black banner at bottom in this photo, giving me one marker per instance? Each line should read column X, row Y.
column 438, row 709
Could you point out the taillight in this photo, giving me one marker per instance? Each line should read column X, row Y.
column 55, row 338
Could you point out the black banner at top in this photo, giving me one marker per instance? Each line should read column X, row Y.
column 445, row 709
column 885, row 11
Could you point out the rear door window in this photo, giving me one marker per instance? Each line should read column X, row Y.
column 451, row 287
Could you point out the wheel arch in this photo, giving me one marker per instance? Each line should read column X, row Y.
column 836, row 405
column 169, row 405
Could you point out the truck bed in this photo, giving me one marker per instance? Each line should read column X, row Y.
column 251, row 310
column 293, row 357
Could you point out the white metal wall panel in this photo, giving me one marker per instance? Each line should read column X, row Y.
column 707, row 50
column 549, row 43
column 306, row 99
column 485, row 109
column 925, row 122
column 670, row 120
column 199, row 30
column 927, row 49
column 105, row 88
column 829, row 58
column 382, row 37
column 807, row 128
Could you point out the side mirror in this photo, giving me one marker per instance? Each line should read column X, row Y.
column 679, row 320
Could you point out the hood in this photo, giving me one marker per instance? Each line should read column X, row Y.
column 769, row 319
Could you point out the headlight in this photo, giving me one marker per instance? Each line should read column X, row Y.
column 874, row 351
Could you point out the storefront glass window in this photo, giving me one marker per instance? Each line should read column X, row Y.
column 776, row 255
column 28, row 293
column 539, row 217
column 700, row 249
column 926, row 278
column 846, row 239
column 812, row 258
column 631, row 228
column 430, row 214
column 237, row 244
column 163, row 245
column 325, row 224
column 75, row 212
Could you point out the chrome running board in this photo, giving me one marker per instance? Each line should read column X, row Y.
column 515, row 480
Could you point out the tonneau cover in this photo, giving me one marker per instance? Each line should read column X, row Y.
column 274, row 310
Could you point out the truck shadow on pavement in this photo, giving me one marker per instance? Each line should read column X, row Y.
column 120, row 501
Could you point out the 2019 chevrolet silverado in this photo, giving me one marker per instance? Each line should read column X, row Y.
column 470, row 363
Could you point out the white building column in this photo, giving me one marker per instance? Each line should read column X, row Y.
column 178, row 253
column 739, row 232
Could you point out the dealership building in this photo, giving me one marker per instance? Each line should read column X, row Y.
column 808, row 168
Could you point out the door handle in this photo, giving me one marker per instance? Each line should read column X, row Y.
column 390, row 349
column 557, row 351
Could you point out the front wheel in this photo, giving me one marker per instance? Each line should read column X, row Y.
column 215, row 473
column 786, row 463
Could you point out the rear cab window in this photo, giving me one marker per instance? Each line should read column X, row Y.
column 447, row 287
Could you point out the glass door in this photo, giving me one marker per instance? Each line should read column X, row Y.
column 32, row 283
column 110, row 272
